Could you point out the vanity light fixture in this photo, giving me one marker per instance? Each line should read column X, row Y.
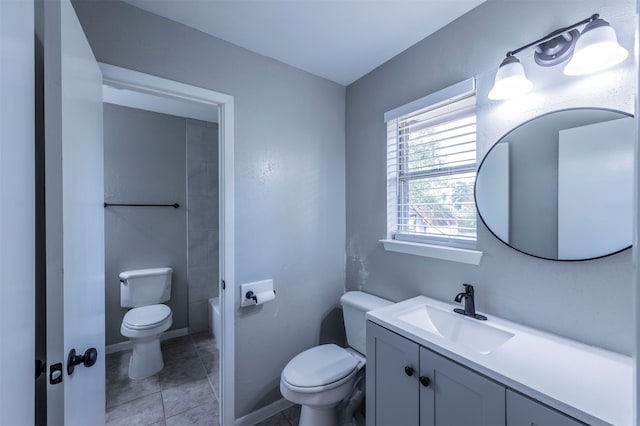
column 593, row 50
column 510, row 80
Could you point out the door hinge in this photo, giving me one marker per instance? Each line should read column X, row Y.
column 223, row 284
column 41, row 368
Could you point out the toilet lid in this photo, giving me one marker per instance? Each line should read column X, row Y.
column 319, row 366
column 146, row 316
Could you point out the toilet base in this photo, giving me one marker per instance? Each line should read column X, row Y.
column 146, row 359
column 318, row 415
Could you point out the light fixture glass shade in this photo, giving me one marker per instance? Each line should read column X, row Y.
column 510, row 80
column 597, row 49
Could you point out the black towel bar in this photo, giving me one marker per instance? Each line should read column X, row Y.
column 174, row 205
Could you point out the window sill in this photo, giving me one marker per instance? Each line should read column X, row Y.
column 454, row 254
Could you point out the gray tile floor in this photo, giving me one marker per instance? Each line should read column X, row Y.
column 185, row 392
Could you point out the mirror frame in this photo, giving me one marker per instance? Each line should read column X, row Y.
column 475, row 200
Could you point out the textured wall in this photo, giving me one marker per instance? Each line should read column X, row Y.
column 202, row 220
column 144, row 162
column 589, row 301
column 289, row 180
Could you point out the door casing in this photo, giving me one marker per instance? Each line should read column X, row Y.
column 133, row 80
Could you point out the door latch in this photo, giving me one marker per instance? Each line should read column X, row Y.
column 55, row 374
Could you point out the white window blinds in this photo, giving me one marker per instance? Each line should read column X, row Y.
column 431, row 169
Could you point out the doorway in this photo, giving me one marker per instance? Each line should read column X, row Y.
column 144, row 87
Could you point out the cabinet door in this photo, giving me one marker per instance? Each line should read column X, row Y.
column 392, row 384
column 457, row 396
column 523, row 411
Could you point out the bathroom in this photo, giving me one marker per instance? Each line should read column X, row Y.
column 160, row 153
column 153, row 157
column 312, row 163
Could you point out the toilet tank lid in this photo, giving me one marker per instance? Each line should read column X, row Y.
column 125, row 275
column 363, row 301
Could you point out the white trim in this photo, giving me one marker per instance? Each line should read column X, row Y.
column 264, row 413
column 133, row 80
column 128, row 79
column 227, row 263
column 118, row 347
column 635, row 257
column 446, row 94
column 454, row 254
column 160, row 104
column 127, row 345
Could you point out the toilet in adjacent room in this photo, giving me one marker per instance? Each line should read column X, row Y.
column 145, row 290
column 323, row 376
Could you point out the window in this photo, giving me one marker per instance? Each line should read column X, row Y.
column 431, row 168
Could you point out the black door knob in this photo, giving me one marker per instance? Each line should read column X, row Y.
column 408, row 370
column 424, row 381
column 87, row 359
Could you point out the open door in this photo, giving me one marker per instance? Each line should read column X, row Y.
column 74, row 219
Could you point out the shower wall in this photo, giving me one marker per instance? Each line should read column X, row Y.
column 202, row 220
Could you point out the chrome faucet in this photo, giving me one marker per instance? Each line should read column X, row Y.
column 469, row 303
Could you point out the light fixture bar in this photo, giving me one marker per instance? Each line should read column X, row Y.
column 554, row 34
column 593, row 49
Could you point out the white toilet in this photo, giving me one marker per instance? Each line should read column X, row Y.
column 323, row 376
column 145, row 290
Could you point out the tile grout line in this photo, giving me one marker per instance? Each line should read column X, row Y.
column 213, row 388
column 164, row 411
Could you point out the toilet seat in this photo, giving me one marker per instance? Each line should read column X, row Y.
column 320, row 368
column 146, row 317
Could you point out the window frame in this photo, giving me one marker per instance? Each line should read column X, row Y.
column 397, row 209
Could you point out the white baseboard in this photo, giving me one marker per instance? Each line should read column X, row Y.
column 264, row 413
column 127, row 346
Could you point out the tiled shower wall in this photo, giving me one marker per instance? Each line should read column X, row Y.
column 202, row 220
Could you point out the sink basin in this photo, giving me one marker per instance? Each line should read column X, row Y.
column 454, row 327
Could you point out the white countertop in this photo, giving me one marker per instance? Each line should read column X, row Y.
column 588, row 383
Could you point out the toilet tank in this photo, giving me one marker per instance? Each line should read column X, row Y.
column 143, row 287
column 355, row 305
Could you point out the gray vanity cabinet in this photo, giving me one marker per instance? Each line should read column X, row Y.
column 455, row 395
column 523, row 411
column 393, row 392
column 410, row 385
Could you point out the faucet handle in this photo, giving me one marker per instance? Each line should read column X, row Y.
column 468, row 288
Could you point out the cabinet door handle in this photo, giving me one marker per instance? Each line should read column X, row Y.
column 424, row 381
column 408, row 371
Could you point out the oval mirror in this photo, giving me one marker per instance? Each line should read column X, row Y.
column 560, row 186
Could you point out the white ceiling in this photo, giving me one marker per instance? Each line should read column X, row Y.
column 340, row 40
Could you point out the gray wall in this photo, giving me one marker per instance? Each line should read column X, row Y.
column 144, row 162
column 289, row 180
column 202, row 220
column 589, row 301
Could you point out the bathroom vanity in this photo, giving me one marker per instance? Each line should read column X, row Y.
column 427, row 365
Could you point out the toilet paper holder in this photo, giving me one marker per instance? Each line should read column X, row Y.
column 251, row 295
column 256, row 293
